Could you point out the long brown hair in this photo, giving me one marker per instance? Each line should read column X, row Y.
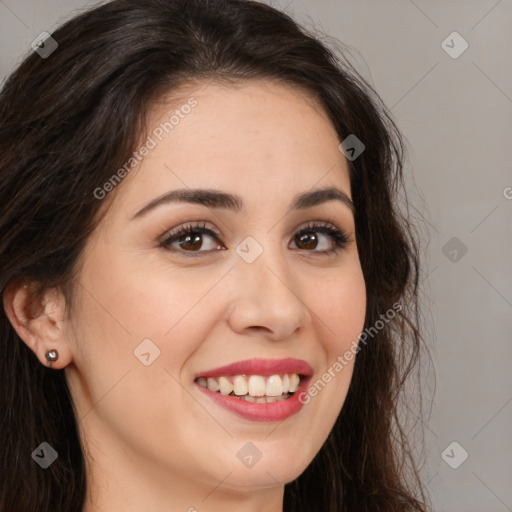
column 68, row 120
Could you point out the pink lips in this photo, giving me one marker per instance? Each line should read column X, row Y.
column 263, row 367
column 265, row 412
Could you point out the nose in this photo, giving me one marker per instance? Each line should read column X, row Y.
column 266, row 299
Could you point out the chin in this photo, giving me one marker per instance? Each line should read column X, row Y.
column 251, row 480
column 275, row 470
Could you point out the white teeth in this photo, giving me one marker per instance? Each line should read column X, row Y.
column 274, row 386
column 225, row 386
column 286, row 383
column 239, row 385
column 212, row 384
column 265, row 399
column 294, row 382
column 254, row 386
column 257, row 385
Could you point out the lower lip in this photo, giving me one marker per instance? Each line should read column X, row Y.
column 275, row 411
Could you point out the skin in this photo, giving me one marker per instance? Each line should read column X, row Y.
column 152, row 440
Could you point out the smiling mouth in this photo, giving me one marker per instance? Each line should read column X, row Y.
column 254, row 388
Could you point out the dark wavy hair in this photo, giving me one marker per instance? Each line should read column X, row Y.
column 68, row 120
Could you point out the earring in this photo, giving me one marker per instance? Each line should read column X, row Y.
column 51, row 356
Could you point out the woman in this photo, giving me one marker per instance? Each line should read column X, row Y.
column 210, row 297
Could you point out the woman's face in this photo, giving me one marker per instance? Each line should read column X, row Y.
column 154, row 311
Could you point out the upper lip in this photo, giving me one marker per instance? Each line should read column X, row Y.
column 263, row 367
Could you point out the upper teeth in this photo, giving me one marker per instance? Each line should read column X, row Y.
column 254, row 385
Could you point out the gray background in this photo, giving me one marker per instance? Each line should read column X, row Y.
column 456, row 114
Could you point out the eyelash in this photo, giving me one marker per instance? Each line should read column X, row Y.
column 339, row 237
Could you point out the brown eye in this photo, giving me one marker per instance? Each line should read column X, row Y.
column 307, row 240
column 190, row 239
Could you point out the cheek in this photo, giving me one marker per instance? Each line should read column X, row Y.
column 126, row 315
column 340, row 307
column 147, row 302
column 121, row 318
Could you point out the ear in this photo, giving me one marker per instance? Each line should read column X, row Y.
column 39, row 320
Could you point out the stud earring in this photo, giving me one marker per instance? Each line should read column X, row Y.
column 51, row 356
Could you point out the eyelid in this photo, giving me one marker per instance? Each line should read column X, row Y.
column 190, row 225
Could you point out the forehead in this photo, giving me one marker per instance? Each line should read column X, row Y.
column 256, row 138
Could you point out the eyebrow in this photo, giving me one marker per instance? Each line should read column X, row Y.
column 217, row 199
